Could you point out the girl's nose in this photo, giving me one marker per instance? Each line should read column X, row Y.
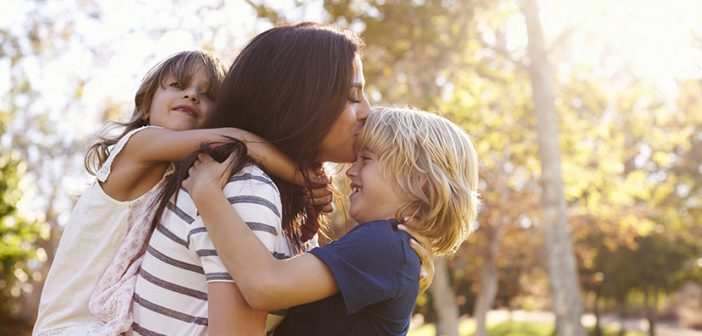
column 191, row 94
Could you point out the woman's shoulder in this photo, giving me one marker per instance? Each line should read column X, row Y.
column 251, row 178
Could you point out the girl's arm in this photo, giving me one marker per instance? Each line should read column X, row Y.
column 229, row 314
column 160, row 145
column 265, row 282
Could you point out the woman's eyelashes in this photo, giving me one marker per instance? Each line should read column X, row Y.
column 354, row 95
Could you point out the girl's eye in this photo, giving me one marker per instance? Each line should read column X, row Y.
column 354, row 100
column 175, row 85
column 365, row 158
column 208, row 96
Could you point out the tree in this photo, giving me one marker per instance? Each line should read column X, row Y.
column 17, row 252
column 561, row 260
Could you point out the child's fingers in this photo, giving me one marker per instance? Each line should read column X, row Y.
column 320, row 179
column 202, row 157
column 328, row 208
column 320, row 196
column 228, row 162
column 321, row 192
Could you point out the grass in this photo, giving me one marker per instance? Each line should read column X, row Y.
column 467, row 328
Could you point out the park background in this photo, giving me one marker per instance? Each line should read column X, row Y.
column 587, row 116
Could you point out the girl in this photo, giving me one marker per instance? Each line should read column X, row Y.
column 94, row 269
column 413, row 168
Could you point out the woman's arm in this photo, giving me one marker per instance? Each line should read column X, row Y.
column 229, row 314
column 265, row 282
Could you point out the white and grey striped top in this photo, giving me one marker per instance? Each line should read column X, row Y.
column 171, row 291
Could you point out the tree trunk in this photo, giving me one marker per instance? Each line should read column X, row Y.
column 559, row 250
column 488, row 279
column 622, row 318
column 444, row 300
column 596, row 311
column 650, row 311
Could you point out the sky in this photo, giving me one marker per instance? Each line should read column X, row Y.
column 111, row 44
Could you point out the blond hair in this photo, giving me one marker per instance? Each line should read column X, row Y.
column 433, row 161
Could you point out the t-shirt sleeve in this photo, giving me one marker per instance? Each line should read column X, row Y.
column 366, row 264
column 257, row 201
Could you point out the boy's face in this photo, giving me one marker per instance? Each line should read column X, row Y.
column 181, row 107
column 372, row 195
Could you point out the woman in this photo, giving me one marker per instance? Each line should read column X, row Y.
column 300, row 88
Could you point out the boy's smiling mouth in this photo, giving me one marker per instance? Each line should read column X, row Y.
column 355, row 187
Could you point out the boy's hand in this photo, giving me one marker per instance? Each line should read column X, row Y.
column 321, row 192
column 421, row 246
column 207, row 175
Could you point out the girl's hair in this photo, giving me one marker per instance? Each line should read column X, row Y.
column 433, row 161
column 288, row 85
column 182, row 66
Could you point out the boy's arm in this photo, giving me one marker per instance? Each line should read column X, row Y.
column 265, row 282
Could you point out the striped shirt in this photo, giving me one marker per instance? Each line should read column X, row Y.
column 171, row 291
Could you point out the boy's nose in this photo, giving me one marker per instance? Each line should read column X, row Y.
column 351, row 172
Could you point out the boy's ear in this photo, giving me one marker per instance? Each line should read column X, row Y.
column 420, row 179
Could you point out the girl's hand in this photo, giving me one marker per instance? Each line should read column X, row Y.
column 321, row 192
column 207, row 175
column 421, row 246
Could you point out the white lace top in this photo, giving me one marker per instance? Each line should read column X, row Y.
column 89, row 287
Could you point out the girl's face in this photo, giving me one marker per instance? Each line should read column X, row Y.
column 372, row 194
column 179, row 107
column 339, row 144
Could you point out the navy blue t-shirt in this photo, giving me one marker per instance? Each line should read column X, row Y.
column 378, row 277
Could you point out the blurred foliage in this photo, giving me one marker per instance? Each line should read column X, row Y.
column 17, row 236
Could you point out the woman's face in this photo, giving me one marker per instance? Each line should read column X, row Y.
column 339, row 144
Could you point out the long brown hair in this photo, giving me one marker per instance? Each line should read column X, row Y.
column 182, row 66
column 289, row 85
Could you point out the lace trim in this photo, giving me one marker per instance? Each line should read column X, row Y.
column 111, row 299
column 52, row 332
